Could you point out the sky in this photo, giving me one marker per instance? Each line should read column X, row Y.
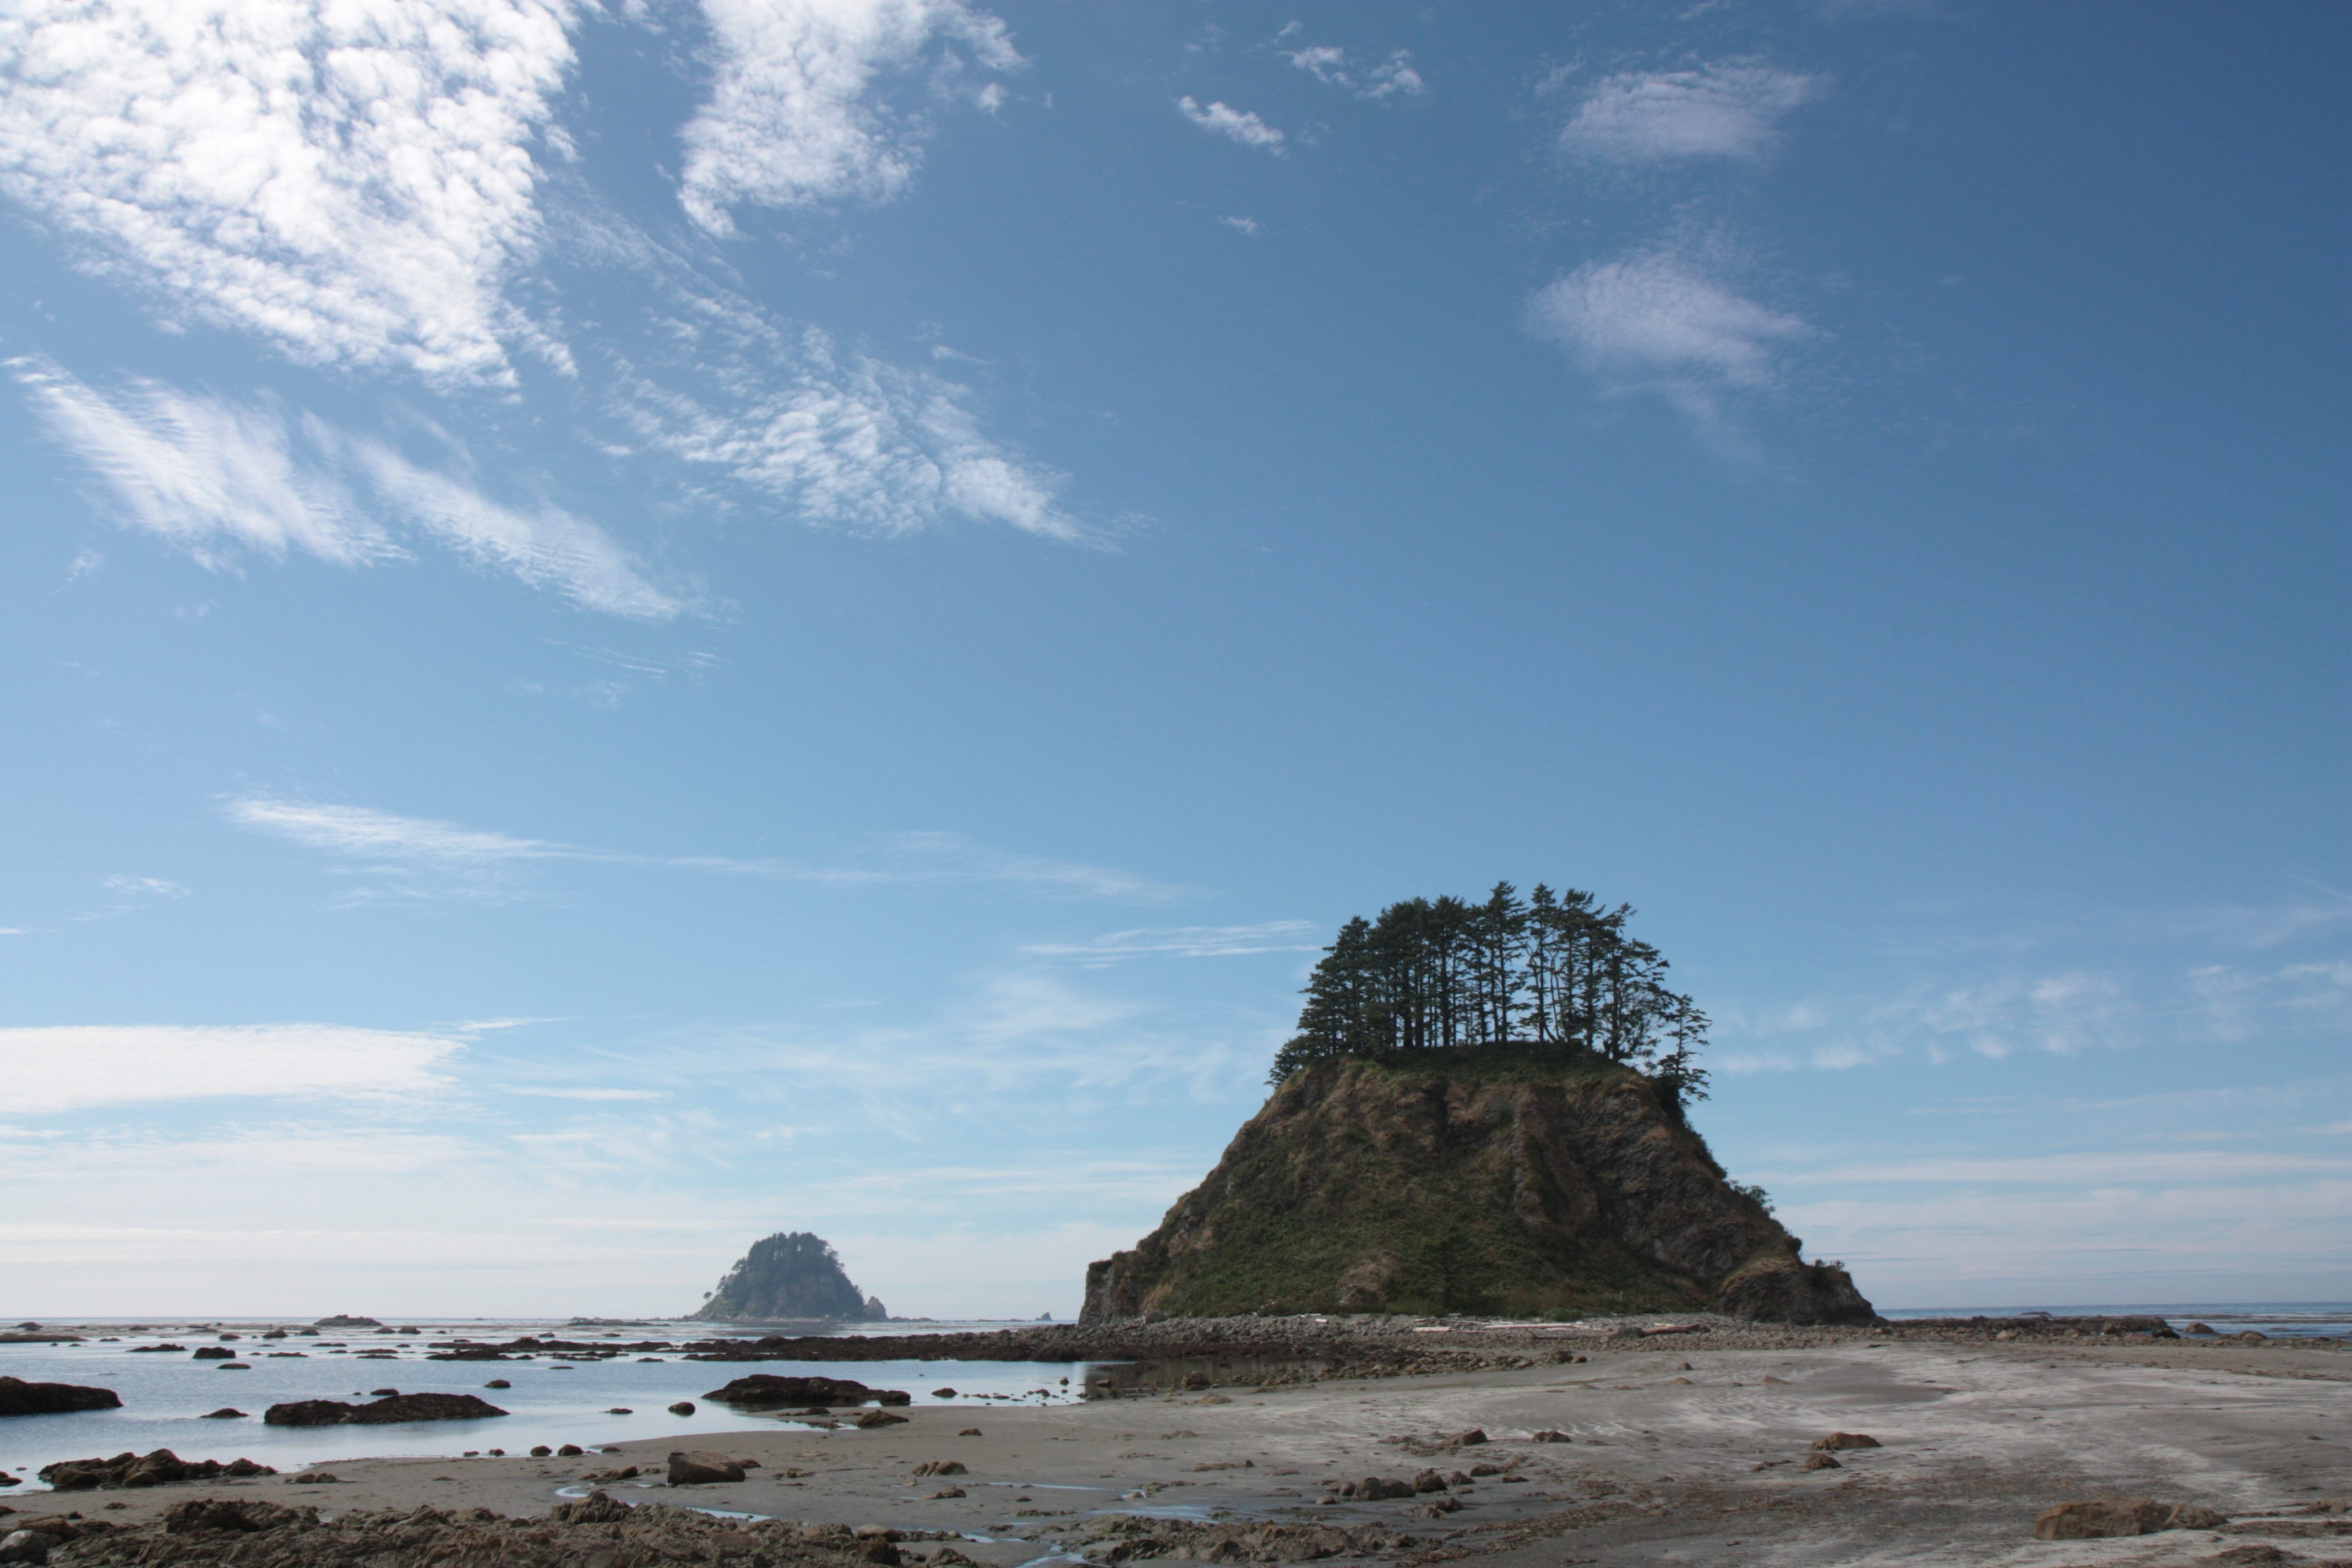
column 633, row 624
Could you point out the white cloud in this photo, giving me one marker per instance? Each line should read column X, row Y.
column 1656, row 322
column 545, row 547
column 75, row 1066
column 1392, row 79
column 1188, row 941
column 795, row 113
column 843, row 438
column 202, row 473
column 1728, row 110
column 209, row 476
column 1241, row 224
column 1241, row 124
column 352, row 181
column 145, row 887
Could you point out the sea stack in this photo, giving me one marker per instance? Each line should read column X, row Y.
column 1485, row 1181
column 790, row 1275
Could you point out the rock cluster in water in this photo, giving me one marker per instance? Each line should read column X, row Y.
column 391, row 1409
column 18, row 1397
column 790, row 1275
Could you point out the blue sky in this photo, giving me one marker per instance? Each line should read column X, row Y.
column 633, row 626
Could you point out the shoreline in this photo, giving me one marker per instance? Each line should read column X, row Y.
column 1977, row 1436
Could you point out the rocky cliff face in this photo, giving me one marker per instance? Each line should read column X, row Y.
column 1368, row 1186
column 788, row 1277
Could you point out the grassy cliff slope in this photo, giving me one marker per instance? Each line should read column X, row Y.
column 1487, row 1183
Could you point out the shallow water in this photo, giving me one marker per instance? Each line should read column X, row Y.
column 166, row 1394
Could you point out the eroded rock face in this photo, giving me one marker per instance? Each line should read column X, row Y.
column 2094, row 1519
column 18, row 1397
column 1366, row 1186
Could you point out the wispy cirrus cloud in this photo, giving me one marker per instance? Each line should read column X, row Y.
column 78, row 1067
column 797, row 112
column 430, row 859
column 1187, row 942
column 215, row 478
column 1727, row 110
column 1659, row 322
column 352, row 183
column 1385, row 81
column 1241, row 125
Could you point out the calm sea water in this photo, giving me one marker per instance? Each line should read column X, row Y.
column 166, row 1394
column 2279, row 1320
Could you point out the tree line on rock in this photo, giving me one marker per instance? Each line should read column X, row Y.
column 1553, row 973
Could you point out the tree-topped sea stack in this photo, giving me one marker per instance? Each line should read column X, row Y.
column 788, row 1277
column 1484, row 1112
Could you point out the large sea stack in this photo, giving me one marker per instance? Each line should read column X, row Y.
column 1483, row 1181
column 790, row 1277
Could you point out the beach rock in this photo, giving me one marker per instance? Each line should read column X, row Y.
column 212, row 1352
column 1429, row 1481
column 942, row 1394
column 543, row 1451
column 694, row 1469
column 943, row 1494
column 24, row 1546
column 18, row 1397
column 766, row 1390
column 1839, row 1442
column 569, row 1452
column 498, row 1383
column 970, row 1432
column 228, row 1516
column 1547, row 1436
column 873, row 1419
column 160, row 1467
column 683, row 1407
column 399, row 1407
column 2198, row 1329
column 315, row 1478
column 2094, row 1519
column 881, row 1550
column 1822, row 1462
column 225, row 1412
column 2252, row 1336
column 1468, row 1439
column 941, row 1468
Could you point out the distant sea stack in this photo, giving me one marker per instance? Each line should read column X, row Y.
column 1486, row 1182
column 790, row 1275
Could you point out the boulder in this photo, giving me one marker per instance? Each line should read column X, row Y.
column 941, row 1468
column 18, row 1397
column 24, row 1546
column 212, row 1352
column 225, row 1412
column 1839, row 1442
column 764, row 1389
column 683, row 1407
column 594, row 1508
column 873, row 1419
column 1822, row 1462
column 2095, row 1518
column 694, row 1469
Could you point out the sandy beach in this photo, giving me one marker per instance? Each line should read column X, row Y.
column 1675, row 1450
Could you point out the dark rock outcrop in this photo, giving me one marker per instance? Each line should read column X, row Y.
column 788, row 1276
column 161, row 1467
column 398, row 1407
column 18, row 1397
column 2097, row 1518
column 1493, row 1185
column 764, row 1391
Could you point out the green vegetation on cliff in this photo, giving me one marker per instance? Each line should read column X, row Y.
column 1490, row 1180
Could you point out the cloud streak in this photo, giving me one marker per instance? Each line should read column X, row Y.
column 1239, row 125
column 1729, row 110
column 795, row 113
column 80, row 1067
column 1392, row 79
column 1187, row 942
column 214, row 478
column 470, row 862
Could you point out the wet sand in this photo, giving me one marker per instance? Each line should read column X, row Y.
column 1662, row 1465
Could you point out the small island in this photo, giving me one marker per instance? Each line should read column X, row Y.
column 790, row 1276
